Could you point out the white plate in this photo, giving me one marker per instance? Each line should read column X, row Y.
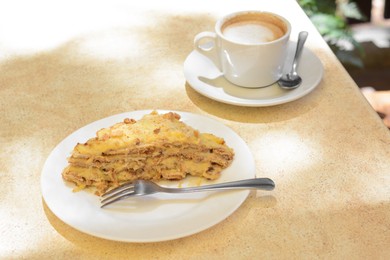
column 152, row 218
column 204, row 77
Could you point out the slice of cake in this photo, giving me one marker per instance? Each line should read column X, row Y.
column 158, row 146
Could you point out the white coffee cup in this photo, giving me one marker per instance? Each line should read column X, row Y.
column 249, row 47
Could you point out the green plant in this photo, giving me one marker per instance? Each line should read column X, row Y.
column 330, row 17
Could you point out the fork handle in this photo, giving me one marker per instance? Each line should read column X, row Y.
column 256, row 183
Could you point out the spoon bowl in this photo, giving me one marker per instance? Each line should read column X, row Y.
column 290, row 81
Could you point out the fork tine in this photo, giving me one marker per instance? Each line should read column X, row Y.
column 118, row 189
column 118, row 192
column 114, row 198
column 122, row 192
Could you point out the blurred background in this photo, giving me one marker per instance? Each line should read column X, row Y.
column 358, row 31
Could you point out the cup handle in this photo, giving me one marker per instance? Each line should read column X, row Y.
column 206, row 43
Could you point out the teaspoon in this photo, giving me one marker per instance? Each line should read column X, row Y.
column 292, row 80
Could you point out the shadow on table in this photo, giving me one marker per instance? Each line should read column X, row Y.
column 302, row 231
column 258, row 199
column 266, row 114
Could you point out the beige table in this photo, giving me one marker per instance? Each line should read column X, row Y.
column 68, row 64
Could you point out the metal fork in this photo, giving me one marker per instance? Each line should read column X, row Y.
column 142, row 187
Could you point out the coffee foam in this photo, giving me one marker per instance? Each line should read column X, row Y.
column 253, row 28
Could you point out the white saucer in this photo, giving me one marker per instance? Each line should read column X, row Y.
column 204, row 77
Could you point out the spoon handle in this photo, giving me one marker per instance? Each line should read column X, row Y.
column 301, row 41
